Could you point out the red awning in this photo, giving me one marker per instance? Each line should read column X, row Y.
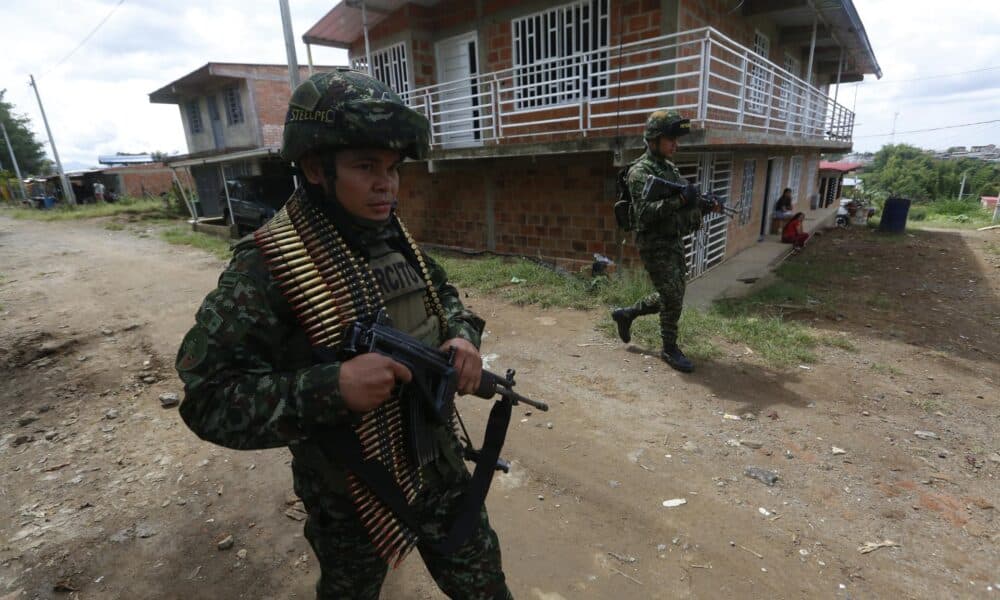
column 843, row 167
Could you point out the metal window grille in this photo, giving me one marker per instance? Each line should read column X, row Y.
column 706, row 247
column 388, row 66
column 194, row 117
column 234, row 107
column 561, row 54
column 786, row 103
column 795, row 175
column 758, row 73
column 746, row 194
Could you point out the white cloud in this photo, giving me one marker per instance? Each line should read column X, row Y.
column 919, row 39
column 97, row 101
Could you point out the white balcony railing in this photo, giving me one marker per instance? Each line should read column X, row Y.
column 701, row 72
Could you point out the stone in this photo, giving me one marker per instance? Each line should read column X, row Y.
column 27, row 418
column 226, row 543
column 768, row 478
column 169, row 399
column 837, row 451
column 112, row 413
column 755, row 444
column 926, row 435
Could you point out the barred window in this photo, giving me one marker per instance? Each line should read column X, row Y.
column 560, row 55
column 388, row 66
column 194, row 116
column 746, row 195
column 759, row 72
column 234, row 107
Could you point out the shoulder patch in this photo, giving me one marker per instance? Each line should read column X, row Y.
column 229, row 279
column 209, row 319
column 193, row 350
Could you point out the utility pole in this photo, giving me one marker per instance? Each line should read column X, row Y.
column 892, row 140
column 17, row 170
column 293, row 62
column 961, row 188
column 364, row 26
column 70, row 197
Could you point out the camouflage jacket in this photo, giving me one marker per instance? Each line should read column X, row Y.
column 659, row 222
column 251, row 380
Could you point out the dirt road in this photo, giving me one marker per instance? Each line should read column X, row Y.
column 105, row 494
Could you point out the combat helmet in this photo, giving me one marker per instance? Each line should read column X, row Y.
column 666, row 123
column 349, row 109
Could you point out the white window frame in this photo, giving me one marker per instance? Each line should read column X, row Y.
column 758, row 73
column 746, row 193
column 795, row 176
column 560, row 54
column 786, row 102
column 390, row 65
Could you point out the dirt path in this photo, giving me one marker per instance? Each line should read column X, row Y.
column 105, row 494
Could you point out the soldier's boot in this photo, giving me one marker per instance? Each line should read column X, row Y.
column 676, row 359
column 623, row 317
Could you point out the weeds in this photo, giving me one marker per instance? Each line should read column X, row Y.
column 746, row 322
column 146, row 209
column 182, row 237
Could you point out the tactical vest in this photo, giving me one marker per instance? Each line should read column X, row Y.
column 329, row 286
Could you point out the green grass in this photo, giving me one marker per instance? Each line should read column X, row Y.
column 114, row 226
column 747, row 322
column 145, row 209
column 185, row 237
column 960, row 214
column 885, row 369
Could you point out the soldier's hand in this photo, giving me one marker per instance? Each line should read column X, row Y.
column 468, row 363
column 690, row 194
column 367, row 380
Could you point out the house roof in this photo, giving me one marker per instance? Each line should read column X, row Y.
column 843, row 167
column 838, row 26
column 342, row 25
column 216, row 74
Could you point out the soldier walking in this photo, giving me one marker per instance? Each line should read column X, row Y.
column 660, row 225
column 259, row 369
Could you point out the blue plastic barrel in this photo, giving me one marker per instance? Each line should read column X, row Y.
column 894, row 215
column 49, row 202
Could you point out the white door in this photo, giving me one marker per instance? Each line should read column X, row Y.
column 456, row 110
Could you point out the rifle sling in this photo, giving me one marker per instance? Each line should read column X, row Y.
column 343, row 443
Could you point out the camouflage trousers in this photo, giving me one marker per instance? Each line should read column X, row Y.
column 668, row 271
column 350, row 567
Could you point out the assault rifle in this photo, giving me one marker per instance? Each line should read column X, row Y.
column 434, row 374
column 657, row 187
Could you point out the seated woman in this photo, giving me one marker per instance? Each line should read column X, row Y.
column 783, row 207
column 793, row 234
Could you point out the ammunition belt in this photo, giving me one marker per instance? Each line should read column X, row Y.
column 329, row 287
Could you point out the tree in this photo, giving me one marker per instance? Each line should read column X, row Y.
column 914, row 173
column 27, row 148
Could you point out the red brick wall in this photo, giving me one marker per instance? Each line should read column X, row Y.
column 271, row 99
column 153, row 178
column 553, row 207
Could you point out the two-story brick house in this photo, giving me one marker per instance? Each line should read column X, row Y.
column 233, row 117
column 536, row 104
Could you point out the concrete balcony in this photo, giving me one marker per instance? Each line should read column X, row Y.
column 599, row 101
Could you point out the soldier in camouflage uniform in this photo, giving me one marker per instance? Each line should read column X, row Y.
column 660, row 226
column 252, row 378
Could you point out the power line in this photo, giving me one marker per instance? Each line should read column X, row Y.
column 930, row 76
column 931, row 129
column 85, row 39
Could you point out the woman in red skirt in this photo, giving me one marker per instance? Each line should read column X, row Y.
column 793, row 234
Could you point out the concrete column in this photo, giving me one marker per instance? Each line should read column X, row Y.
column 491, row 234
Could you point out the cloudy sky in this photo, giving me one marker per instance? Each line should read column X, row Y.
column 96, row 94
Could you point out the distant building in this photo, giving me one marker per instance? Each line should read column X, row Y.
column 233, row 116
